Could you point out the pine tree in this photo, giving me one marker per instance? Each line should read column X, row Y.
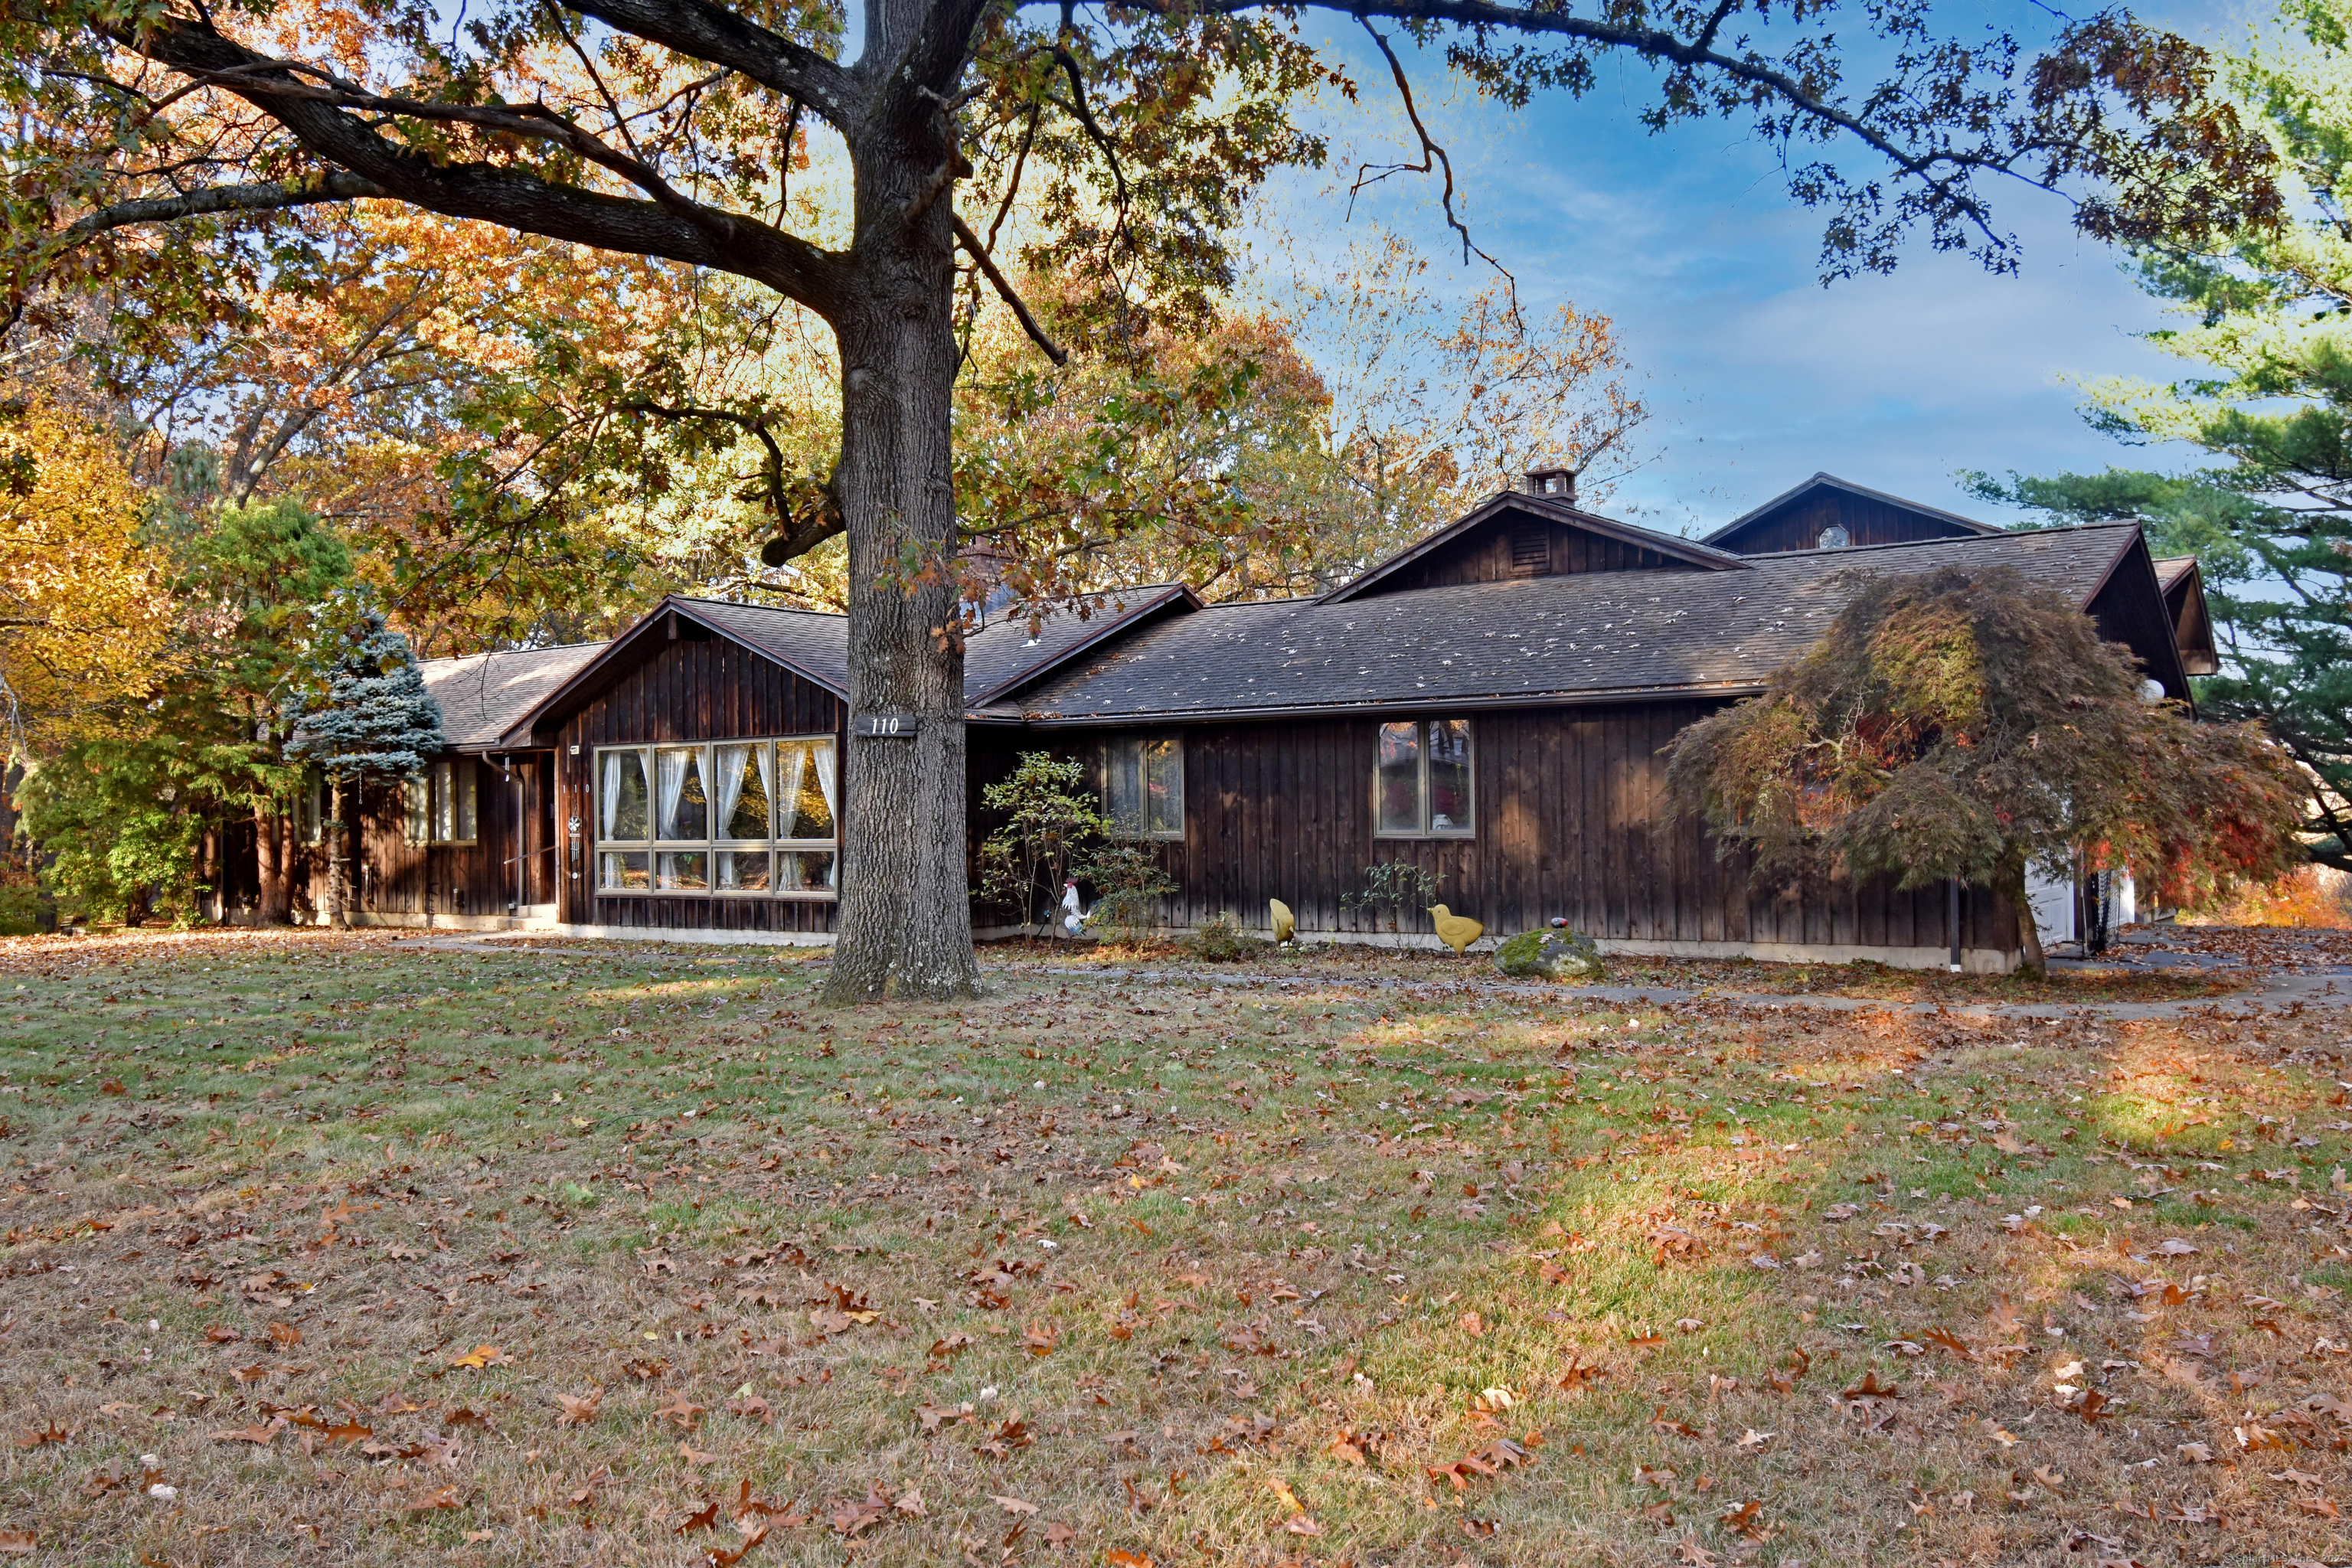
column 373, row 719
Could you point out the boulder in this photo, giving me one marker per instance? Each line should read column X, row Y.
column 1550, row 955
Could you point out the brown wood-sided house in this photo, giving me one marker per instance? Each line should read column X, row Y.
column 1490, row 703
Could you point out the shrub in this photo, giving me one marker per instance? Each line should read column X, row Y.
column 1220, row 939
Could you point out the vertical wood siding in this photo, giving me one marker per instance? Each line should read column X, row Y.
column 1572, row 822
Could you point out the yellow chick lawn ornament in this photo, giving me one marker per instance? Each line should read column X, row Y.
column 1286, row 924
column 1457, row 931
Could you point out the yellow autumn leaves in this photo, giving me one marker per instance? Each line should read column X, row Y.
column 83, row 615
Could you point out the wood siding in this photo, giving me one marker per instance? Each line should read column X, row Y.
column 507, row 866
column 1799, row 525
column 1485, row 554
column 1570, row 806
column 691, row 689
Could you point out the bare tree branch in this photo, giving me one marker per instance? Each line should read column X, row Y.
column 722, row 36
column 1429, row 152
column 987, row 264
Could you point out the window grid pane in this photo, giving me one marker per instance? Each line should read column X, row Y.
column 1449, row 775
column 1163, row 769
column 1397, row 779
column 701, row 819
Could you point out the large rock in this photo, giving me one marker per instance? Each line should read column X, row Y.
column 1550, row 955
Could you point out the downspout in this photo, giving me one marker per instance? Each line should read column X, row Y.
column 1952, row 918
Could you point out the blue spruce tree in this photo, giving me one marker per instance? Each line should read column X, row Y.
column 372, row 718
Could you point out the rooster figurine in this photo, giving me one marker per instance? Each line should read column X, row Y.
column 1075, row 917
column 1457, row 931
column 1285, row 923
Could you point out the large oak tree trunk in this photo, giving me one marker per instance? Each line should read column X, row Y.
column 905, row 909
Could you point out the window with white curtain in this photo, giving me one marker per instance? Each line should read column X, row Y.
column 746, row 817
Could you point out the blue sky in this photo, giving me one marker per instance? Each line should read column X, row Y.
column 1757, row 375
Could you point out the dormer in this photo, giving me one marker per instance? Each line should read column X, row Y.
column 1537, row 531
column 1827, row 512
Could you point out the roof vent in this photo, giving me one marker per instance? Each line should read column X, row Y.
column 1558, row 483
column 1833, row 537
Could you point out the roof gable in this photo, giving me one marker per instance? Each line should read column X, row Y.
column 1514, row 535
column 1796, row 518
column 1003, row 656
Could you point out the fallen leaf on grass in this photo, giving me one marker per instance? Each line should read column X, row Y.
column 1012, row 1505
column 445, row 1499
column 579, row 1409
column 682, row 1411
column 15, row 1543
column 1746, row 1519
column 910, row 1501
column 1952, row 1342
column 1870, row 1388
column 482, row 1356
column 1117, row 1557
column 1473, row 1325
column 41, row 1436
column 1039, row 1338
column 2194, row 1454
column 708, row 1519
column 285, row 1336
column 260, row 1436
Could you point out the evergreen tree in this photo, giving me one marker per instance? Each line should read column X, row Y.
column 1951, row 726
column 2266, row 318
column 373, row 719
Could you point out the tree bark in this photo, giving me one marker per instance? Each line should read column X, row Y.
column 905, row 902
column 339, row 885
column 271, row 904
column 2028, row 937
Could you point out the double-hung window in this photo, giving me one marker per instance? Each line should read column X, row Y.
column 442, row 804
column 1422, row 780
column 1143, row 787
column 753, row 817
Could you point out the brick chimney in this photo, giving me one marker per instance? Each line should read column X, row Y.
column 1560, row 484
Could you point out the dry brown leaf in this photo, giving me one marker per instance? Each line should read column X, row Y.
column 579, row 1409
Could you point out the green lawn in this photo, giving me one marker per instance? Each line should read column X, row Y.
column 349, row 1249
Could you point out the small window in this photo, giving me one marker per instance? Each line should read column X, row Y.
column 1422, row 780
column 442, row 804
column 1833, row 537
column 1143, row 787
column 310, row 807
column 416, row 807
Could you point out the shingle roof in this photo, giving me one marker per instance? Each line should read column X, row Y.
column 2171, row 569
column 814, row 642
column 483, row 694
column 1580, row 636
column 997, row 657
column 1002, row 654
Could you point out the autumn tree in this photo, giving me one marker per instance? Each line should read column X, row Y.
column 1112, row 148
column 1950, row 725
column 2262, row 318
column 83, row 610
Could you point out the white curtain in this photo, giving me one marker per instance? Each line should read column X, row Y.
column 766, row 753
column 611, row 791
column 822, row 756
column 669, row 769
column 732, row 765
column 792, row 761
